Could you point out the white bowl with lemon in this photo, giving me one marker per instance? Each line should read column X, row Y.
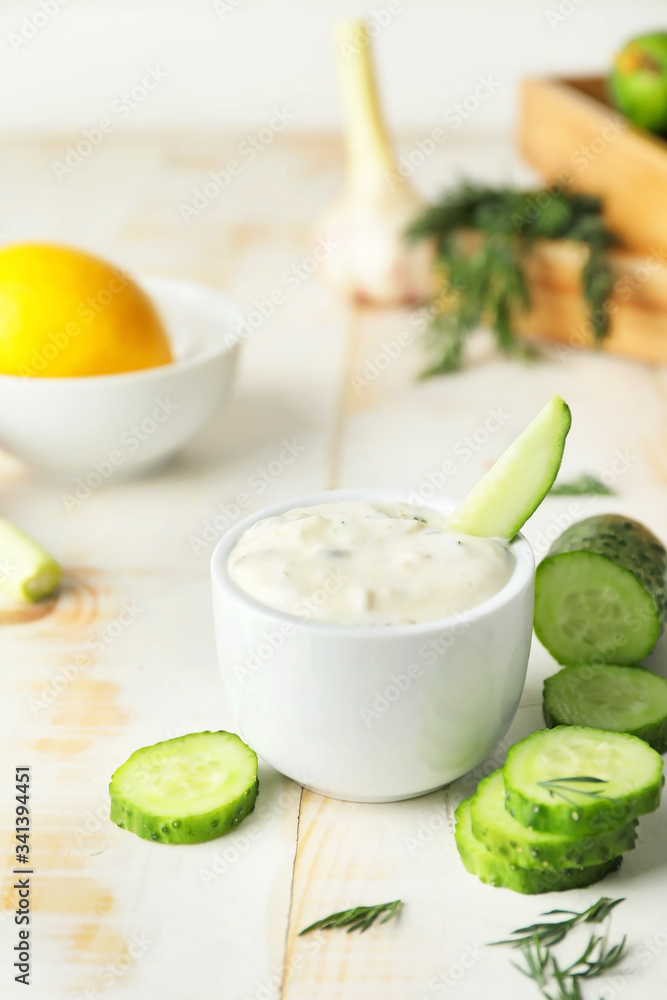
column 102, row 376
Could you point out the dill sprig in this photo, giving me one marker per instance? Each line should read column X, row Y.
column 562, row 788
column 359, row 918
column 542, row 965
column 489, row 279
column 549, row 932
column 586, row 484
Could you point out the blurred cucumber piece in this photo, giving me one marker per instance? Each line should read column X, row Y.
column 27, row 572
column 503, row 500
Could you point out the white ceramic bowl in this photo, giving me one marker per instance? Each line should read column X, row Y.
column 104, row 425
column 377, row 713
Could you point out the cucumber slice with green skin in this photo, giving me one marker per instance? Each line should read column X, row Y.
column 620, row 699
column 185, row 790
column 494, row 870
column 503, row 500
column 518, row 845
column 600, row 594
column 27, row 572
column 579, row 781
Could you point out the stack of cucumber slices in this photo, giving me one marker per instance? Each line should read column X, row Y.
column 562, row 810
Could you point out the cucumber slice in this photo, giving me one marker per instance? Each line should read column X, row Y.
column 185, row 790
column 503, row 500
column 518, row 845
column 27, row 572
column 600, row 594
column 578, row 781
column 494, row 870
column 620, row 699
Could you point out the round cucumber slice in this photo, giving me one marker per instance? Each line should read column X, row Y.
column 579, row 781
column 620, row 699
column 185, row 790
column 503, row 500
column 518, row 845
column 494, row 870
column 600, row 593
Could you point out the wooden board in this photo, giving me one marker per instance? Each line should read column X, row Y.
column 571, row 135
column 637, row 308
column 117, row 918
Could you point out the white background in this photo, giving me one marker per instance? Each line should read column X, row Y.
column 231, row 67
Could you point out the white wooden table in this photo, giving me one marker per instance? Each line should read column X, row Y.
column 126, row 656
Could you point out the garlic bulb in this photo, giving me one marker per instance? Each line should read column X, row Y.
column 370, row 260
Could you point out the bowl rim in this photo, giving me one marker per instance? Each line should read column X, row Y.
column 522, row 575
column 154, row 285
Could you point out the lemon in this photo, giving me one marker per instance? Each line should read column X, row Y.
column 65, row 313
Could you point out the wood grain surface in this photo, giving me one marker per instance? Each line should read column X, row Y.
column 88, row 681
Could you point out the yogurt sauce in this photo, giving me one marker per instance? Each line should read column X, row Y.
column 355, row 563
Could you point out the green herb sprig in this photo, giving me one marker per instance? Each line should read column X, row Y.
column 586, row 484
column 359, row 918
column 541, row 964
column 488, row 283
column 549, row 933
column 562, row 788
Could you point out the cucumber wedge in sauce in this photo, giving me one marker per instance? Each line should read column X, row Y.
column 601, row 593
column 27, row 572
column 503, row 500
column 579, row 781
column 185, row 790
column 518, row 845
column 494, row 870
column 620, row 699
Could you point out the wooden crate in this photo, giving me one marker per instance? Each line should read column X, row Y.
column 570, row 133
column 638, row 306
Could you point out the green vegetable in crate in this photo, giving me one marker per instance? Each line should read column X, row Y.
column 600, row 594
column 483, row 238
column 493, row 869
column 579, row 781
column 638, row 81
column 186, row 790
column 524, row 847
column 619, row 699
